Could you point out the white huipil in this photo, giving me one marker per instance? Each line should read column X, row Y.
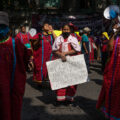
column 65, row 45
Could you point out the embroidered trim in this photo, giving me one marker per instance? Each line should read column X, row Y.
column 109, row 116
column 111, row 86
column 3, row 41
column 61, row 98
column 42, row 58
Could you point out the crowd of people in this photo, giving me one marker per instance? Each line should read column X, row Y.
column 28, row 52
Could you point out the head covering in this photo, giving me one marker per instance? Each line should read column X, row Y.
column 86, row 29
column 119, row 18
column 72, row 26
column 113, row 14
column 22, row 25
column 80, row 31
column 4, row 19
column 32, row 32
column 106, row 35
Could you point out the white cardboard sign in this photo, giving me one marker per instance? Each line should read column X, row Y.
column 64, row 74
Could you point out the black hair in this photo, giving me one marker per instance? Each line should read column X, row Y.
column 66, row 25
column 72, row 29
column 81, row 32
column 2, row 25
column 22, row 26
column 45, row 23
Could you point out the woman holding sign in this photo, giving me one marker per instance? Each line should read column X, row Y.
column 65, row 45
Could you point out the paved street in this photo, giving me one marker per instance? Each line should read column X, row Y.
column 38, row 103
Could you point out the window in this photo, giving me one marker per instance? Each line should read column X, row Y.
column 49, row 3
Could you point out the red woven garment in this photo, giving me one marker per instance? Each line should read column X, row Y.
column 110, row 94
column 41, row 56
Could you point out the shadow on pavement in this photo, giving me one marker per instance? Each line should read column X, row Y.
column 89, row 107
column 38, row 86
column 48, row 96
column 95, row 65
column 99, row 71
column 32, row 112
column 97, row 81
column 85, row 104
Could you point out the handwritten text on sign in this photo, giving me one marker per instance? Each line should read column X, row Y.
column 64, row 74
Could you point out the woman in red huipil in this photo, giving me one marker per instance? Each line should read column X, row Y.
column 92, row 48
column 65, row 45
column 73, row 28
column 24, row 37
column 104, row 52
column 14, row 58
column 109, row 98
column 42, row 52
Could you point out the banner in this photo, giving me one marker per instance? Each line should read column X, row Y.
column 58, row 32
column 58, row 21
column 64, row 74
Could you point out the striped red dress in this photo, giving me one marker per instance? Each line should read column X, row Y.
column 41, row 56
column 11, row 97
column 24, row 38
column 77, row 36
column 91, row 49
column 109, row 98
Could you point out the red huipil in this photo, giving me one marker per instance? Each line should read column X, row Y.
column 77, row 36
column 63, row 45
column 41, row 56
column 25, row 39
column 109, row 97
column 11, row 101
column 91, row 49
column 104, row 45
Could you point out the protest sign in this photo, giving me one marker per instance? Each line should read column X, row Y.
column 64, row 74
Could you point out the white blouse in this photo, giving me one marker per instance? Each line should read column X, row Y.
column 60, row 43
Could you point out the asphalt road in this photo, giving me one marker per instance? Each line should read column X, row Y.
column 38, row 103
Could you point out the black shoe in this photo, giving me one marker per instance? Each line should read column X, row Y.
column 68, row 103
column 58, row 103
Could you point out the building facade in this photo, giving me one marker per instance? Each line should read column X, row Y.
column 64, row 5
column 90, row 5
